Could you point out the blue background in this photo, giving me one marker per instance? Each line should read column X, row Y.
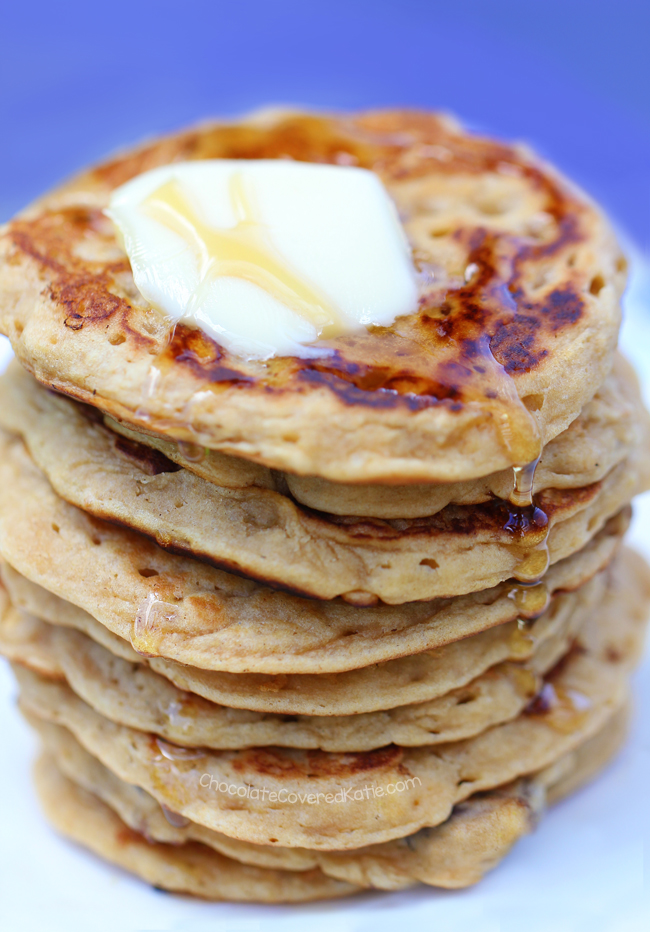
column 571, row 76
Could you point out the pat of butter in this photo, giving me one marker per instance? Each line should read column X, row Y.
column 266, row 256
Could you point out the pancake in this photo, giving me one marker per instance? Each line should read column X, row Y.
column 608, row 427
column 177, row 608
column 414, row 679
column 519, row 278
column 267, row 536
column 454, row 854
column 419, row 787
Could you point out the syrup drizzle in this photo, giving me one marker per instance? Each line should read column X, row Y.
column 175, row 713
column 149, row 628
column 531, row 523
column 521, row 643
column 151, row 387
column 524, row 478
column 531, row 601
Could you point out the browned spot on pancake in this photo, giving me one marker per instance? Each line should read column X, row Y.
column 317, row 764
column 542, row 703
column 51, row 237
column 127, row 836
column 200, row 353
column 613, row 654
column 384, row 396
column 150, row 461
column 435, row 356
column 513, row 345
column 513, row 342
column 82, row 289
column 562, row 307
column 84, row 301
column 304, row 138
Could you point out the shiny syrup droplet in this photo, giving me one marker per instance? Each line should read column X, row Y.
column 150, row 388
column 521, row 642
column 174, row 752
column 174, row 818
column 531, row 601
column 533, row 565
column 149, row 628
column 176, row 714
column 531, row 524
column 524, row 479
column 565, row 710
column 192, row 452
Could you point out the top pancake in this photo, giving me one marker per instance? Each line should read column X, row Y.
column 519, row 278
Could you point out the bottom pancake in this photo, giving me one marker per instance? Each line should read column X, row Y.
column 125, row 825
column 189, row 868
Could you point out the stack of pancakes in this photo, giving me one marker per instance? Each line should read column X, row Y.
column 293, row 628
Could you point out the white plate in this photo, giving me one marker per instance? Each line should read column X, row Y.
column 581, row 871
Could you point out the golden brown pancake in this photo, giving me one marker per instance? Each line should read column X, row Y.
column 451, row 669
column 518, row 313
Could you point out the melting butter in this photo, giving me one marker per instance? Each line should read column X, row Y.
column 266, row 256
